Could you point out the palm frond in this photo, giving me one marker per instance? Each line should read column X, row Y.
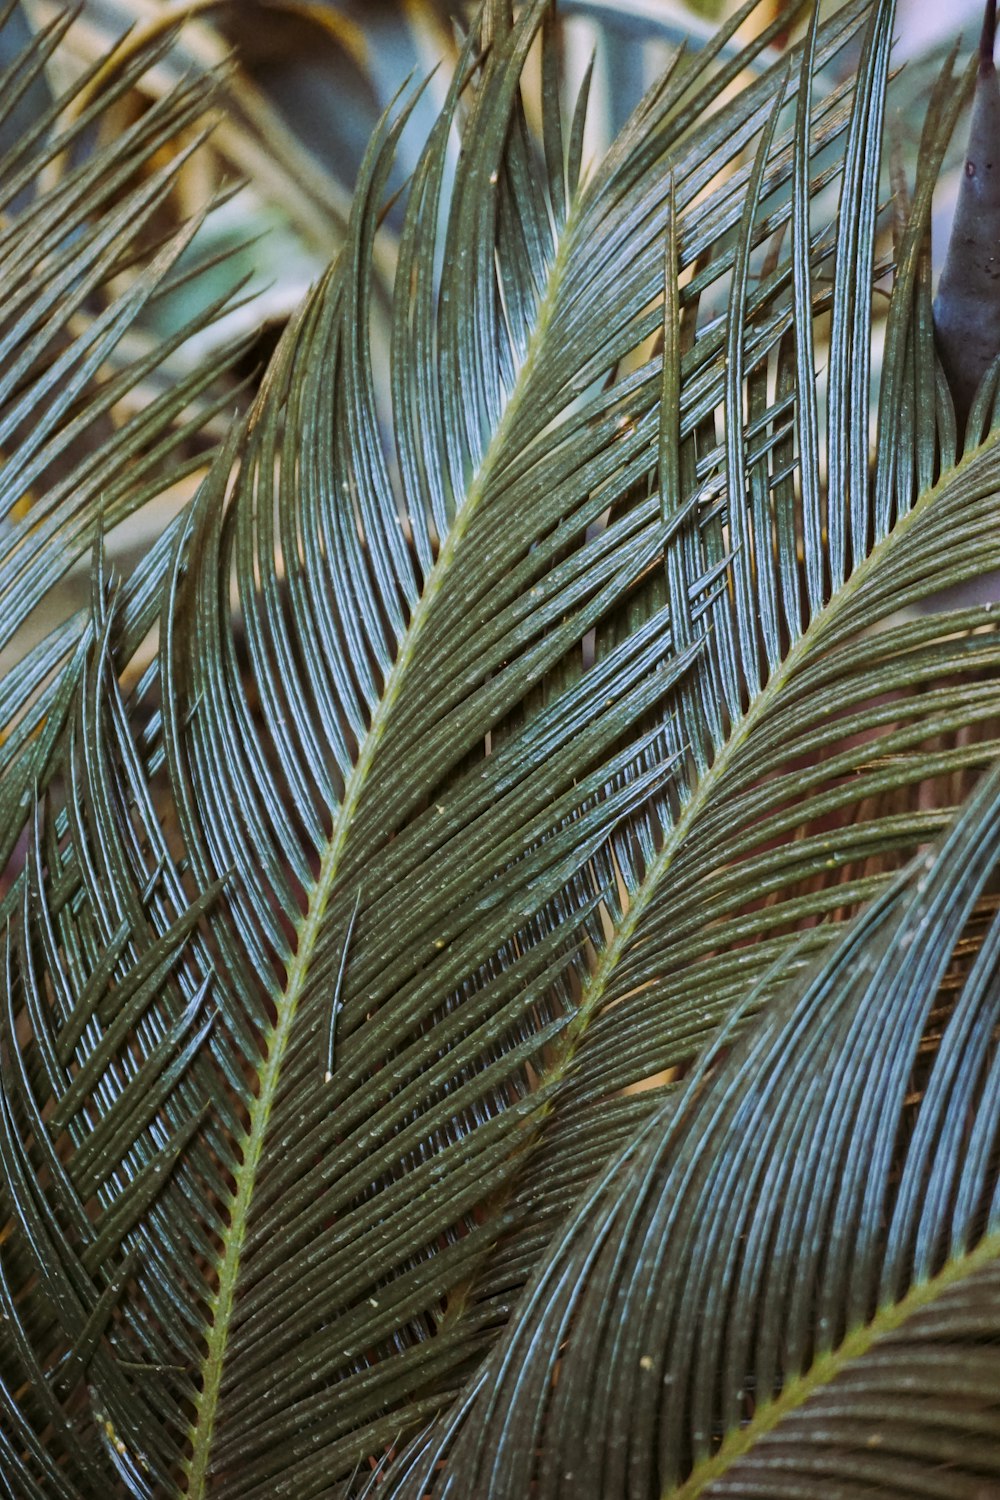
column 76, row 215
column 829, row 734
column 574, row 696
column 787, row 1281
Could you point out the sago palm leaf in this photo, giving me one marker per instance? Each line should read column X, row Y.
column 572, row 706
column 74, row 218
column 801, row 1253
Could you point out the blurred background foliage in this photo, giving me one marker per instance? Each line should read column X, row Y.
column 302, row 84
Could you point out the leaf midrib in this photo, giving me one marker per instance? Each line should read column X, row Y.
column 600, row 980
column 595, row 988
column 890, row 1318
column 820, row 624
column 202, row 1427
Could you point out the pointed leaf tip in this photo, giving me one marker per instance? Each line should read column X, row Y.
column 967, row 306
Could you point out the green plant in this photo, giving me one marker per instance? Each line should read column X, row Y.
column 510, row 1005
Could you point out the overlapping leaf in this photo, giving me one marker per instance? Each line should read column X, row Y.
column 831, row 734
column 397, row 936
column 75, row 215
column 564, row 697
column 787, row 1283
column 430, row 889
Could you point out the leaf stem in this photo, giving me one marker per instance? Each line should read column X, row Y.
column 223, row 1304
column 203, row 1426
column 827, row 1367
column 820, row 624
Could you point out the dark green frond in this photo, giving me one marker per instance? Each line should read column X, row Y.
column 528, row 703
column 850, row 729
column 75, row 214
column 788, row 1278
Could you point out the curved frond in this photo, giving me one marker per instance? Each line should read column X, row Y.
column 832, row 726
column 85, row 438
column 787, row 1283
column 519, row 713
column 106, row 1007
column 427, row 766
